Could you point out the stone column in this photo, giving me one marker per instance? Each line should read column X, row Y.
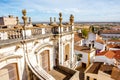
column 60, row 24
column 72, row 48
column 60, row 51
column 24, row 17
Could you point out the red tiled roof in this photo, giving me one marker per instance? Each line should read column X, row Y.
column 101, row 53
column 117, row 56
column 113, row 40
column 76, row 37
column 110, row 54
column 113, row 45
column 110, row 31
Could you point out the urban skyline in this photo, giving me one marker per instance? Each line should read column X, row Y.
column 57, row 50
column 83, row 10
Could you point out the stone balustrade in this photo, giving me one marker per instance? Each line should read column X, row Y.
column 7, row 34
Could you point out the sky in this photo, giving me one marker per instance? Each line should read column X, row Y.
column 83, row 10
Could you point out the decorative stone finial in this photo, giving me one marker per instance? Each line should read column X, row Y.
column 30, row 22
column 17, row 20
column 24, row 12
column 60, row 19
column 24, row 17
column 54, row 19
column 71, row 19
column 50, row 20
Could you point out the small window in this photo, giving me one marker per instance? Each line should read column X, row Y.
column 79, row 56
column 66, row 57
column 88, row 78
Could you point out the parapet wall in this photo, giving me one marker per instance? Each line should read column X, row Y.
column 74, row 74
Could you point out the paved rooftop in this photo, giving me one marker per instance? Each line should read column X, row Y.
column 81, row 72
column 82, row 48
column 107, row 68
column 95, row 67
column 59, row 75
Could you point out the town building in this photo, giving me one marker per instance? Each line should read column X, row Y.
column 9, row 21
column 106, row 66
column 113, row 44
column 109, row 57
column 85, row 55
column 110, row 34
column 100, row 71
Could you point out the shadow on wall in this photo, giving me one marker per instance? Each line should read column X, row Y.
column 24, row 76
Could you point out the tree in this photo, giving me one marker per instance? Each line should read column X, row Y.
column 85, row 33
column 92, row 29
column 79, row 56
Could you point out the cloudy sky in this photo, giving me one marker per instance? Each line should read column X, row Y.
column 83, row 10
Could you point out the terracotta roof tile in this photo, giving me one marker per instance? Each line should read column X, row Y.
column 113, row 45
column 76, row 37
column 101, row 53
column 117, row 52
column 110, row 54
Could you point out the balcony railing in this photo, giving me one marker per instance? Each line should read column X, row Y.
column 8, row 35
column 67, row 29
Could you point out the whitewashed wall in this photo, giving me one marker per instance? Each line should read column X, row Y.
column 99, row 45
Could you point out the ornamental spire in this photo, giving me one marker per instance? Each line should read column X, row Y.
column 17, row 20
column 60, row 19
column 24, row 17
column 71, row 19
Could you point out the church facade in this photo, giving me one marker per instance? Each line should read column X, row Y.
column 30, row 52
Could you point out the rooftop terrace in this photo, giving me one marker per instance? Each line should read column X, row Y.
column 95, row 68
column 107, row 68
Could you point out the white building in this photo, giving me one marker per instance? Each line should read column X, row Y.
column 113, row 44
column 85, row 54
column 109, row 34
column 109, row 57
column 33, row 53
column 10, row 20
